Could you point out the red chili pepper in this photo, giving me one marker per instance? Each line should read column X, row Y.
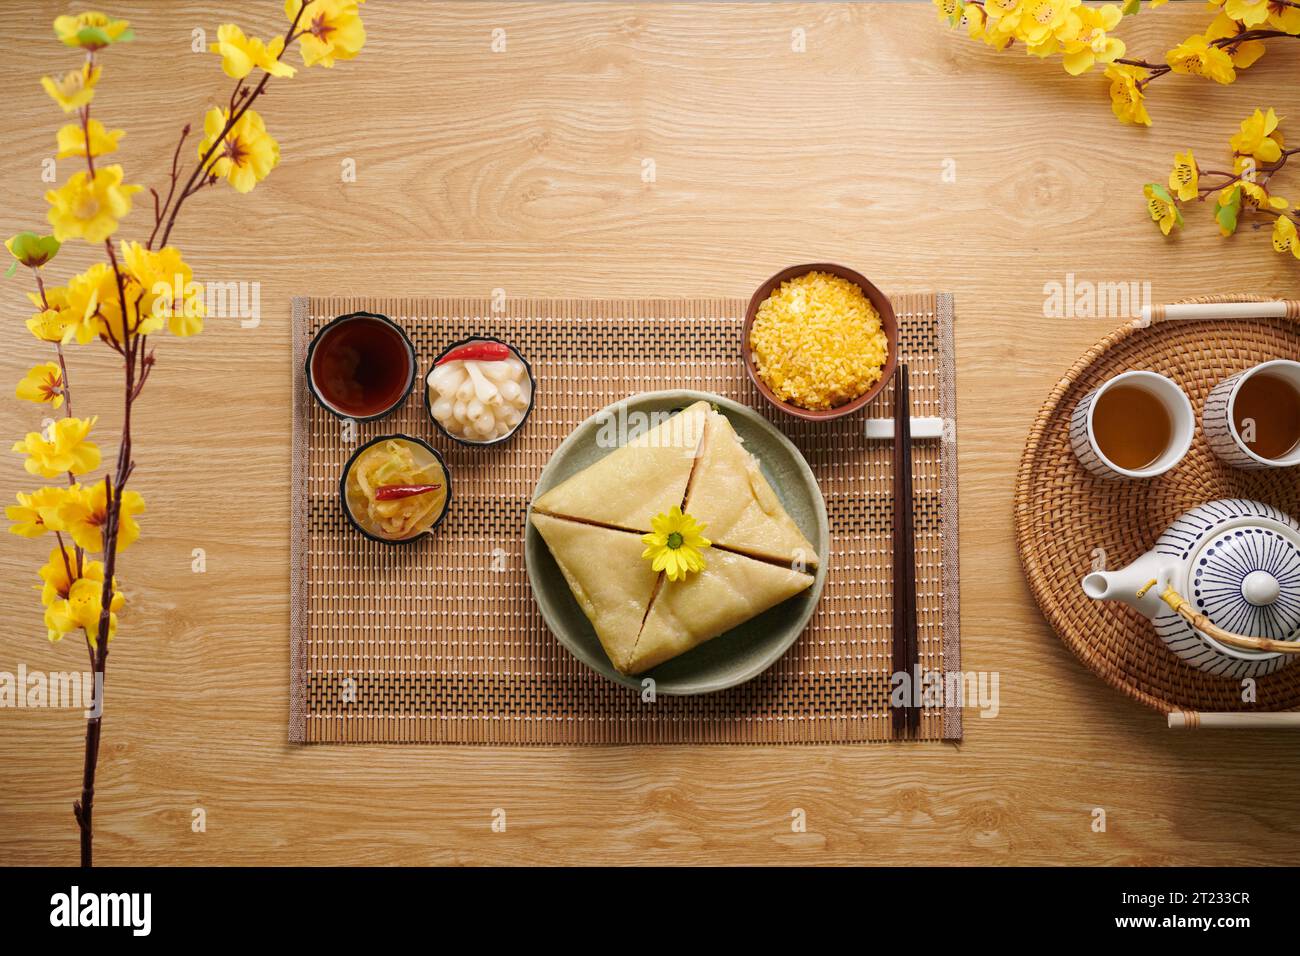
column 393, row 492
column 478, row 352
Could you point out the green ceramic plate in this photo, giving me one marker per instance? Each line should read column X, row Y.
column 742, row 653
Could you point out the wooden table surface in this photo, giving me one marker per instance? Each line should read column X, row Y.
column 522, row 170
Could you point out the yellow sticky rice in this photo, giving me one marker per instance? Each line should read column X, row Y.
column 817, row 341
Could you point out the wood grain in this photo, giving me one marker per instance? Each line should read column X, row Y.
column 522, row 171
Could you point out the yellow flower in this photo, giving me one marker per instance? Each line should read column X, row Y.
column 240, row 54
column 675, row 544
column 1250, row 12
column 1002, row 9
column 66, row 450
column 974, row 19
column 1259, row 137
column 1285, row 238
column 73, row 595
column 92, row 304
column 1260, row 197
column 948, row 10
column 1161, row 206
column 1126, row 99
column 1093, row 43
column 90, row 208
column 44, row 383
column 1185, row 179
column 167, row 287
column 84, row 511
column 1196, row 57
column 1286, row 19
column 247, row 154
column 91, row 30
column 1044, row 23
column 72, row 140
column 75, row 89
column 333, row 30
column 53, row 318
column 37, row 513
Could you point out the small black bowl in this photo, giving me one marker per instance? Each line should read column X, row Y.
column 343, row 490
column 532, row 395
column 325, row 329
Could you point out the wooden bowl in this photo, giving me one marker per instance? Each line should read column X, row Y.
column 888, row 322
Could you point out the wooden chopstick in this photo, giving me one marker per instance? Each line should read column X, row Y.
column 905, row 649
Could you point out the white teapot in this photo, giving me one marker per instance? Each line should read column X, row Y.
column 1222, row 587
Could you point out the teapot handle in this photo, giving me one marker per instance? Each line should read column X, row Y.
column 1183, row 608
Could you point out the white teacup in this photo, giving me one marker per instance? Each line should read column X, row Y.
column 1220, row 421
column 1083, row 437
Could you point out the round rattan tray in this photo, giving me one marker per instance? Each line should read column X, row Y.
column 1064, row 514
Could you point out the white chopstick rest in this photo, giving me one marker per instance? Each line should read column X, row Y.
column 882, row 429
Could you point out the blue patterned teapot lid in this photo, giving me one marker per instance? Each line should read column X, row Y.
column 1246, row 579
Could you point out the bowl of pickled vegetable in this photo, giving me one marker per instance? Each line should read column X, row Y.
column 395, row 489
column 479, row 391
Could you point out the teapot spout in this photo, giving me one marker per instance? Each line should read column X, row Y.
column 1124, row 584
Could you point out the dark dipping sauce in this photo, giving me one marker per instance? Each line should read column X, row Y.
column 361, row 366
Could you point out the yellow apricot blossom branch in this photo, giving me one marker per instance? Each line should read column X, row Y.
column 1258, row 155
column 1083, row 38
column 139, row 291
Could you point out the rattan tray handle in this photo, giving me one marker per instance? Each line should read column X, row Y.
column 1183, row 608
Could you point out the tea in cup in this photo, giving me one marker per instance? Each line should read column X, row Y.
column 1136, row 425
column 1252, row 420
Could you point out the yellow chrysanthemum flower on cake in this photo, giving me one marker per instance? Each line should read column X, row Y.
column 1196, row 57
column 91, row 30
column 333, row 30
column 72, row 140
column 240, row 54
column 84, row 512
column 247, row 154
column 37, row 513
column 74, row 89
column 90, row 208
column 1126, row 99
column 44, row 383
column 674, row 544
column 65, row 451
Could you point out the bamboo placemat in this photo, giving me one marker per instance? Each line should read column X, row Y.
column 441, row 642
column 1067, row 519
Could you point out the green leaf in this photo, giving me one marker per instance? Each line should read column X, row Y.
column 93, row 37
column 1161, row 192
column 126, row 36
column 33, row 250
column 1227, row 215
column 1132, row 8
column 13, row 267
